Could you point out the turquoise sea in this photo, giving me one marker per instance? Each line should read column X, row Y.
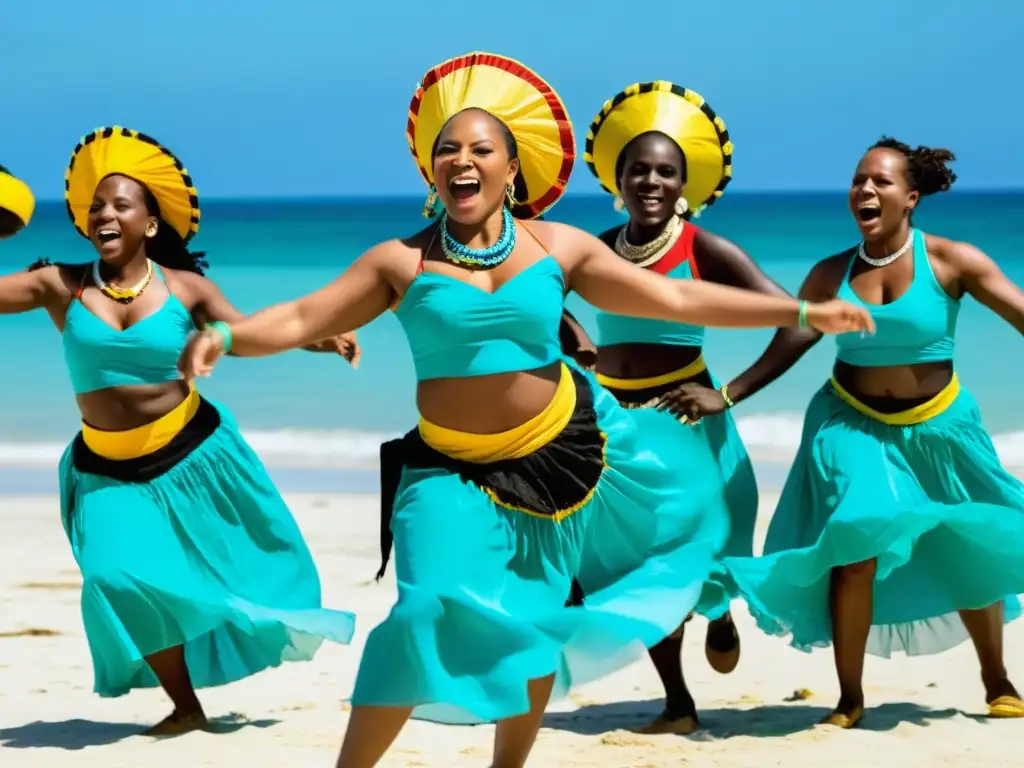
column 318, row 423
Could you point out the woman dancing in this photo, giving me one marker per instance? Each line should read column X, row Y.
column 523, row 472
column 16, row 204
column 897, row 529
column 195, row 573
column 666, row 155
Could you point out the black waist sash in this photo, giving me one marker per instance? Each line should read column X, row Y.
column 551, row 482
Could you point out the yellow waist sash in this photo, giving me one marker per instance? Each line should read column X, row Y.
column 916, row 415
column 687, row 372
column 514, row 443
column 141, row 441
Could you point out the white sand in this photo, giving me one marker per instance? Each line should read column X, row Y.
column 927, row 709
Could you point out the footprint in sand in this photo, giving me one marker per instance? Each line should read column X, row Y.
column 51, row 585
column 32, row 632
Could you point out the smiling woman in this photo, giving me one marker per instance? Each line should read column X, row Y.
column 666, row 155
column 195, row 573
column 897, row 528
column 523, row 472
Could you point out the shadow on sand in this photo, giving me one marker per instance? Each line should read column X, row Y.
column 767, row 721
column 79, row 734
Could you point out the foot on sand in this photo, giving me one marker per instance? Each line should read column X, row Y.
column 178, row 723
column 722, row 645
column 671, row 722
column 845, row 715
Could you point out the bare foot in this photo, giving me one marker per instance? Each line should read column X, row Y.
column 670, row 722
column 177, row 723
column 846, row 715
column 722, row 645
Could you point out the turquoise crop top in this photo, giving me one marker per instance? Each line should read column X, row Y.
column 458, row 330
column 621, row 329
column 918, row 327
column 99, row 356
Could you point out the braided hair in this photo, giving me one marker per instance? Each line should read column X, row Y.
column 928, row 168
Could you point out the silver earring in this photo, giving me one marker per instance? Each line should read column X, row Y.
column 618, row 204
column 681, row 206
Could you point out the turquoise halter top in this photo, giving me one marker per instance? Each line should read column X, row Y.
column 99, row 356
column 918, row 327
column 678, row 263
column 457, row 330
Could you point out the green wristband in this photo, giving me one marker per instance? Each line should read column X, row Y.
column 802, row 318
column 724, row 389
column 225, row 333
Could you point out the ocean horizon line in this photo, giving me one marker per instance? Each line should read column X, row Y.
column 804, row 194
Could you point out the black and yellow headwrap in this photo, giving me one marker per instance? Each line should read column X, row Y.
column 117, row 150
column 680, row 114
column 515, row 95
column 16, row 197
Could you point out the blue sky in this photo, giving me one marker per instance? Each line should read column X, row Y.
column 309, row 97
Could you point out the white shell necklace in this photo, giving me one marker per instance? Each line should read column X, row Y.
column 886, row 259
column 649, row 253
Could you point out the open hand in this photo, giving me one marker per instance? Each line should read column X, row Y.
column 692, row 402
column 837, row 316
column 347, row 346
column 201, row 353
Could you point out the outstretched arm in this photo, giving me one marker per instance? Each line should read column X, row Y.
column 42, row 285
column 984, row 280
column 614, row 285
column 212, row 306
column 354, row 299
column 786, row 348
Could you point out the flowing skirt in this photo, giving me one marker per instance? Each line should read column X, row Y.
column 485, row 555
column 734, row 471
column 928, row 501
column 198, row 549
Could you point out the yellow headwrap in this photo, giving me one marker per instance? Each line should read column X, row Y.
column 680, row 114
column 515, row 95
column 16, row 197
column 117, row 150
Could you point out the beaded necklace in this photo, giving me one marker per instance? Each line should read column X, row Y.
column 649, row 253
column 480, row 257
column 118, row 294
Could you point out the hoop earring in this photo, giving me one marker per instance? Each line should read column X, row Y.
column 152, row 230
column 618, row 204
column 430, row 206
column 510, row 195
column 681, row 206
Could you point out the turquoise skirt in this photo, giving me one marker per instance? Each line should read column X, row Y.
column 205, row 554
column 482, row 586
column 735, row 472
column 930, row 502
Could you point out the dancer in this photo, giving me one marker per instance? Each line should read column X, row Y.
column 665, row 154
column 523, row 472
column 897, row 529
column 16, row 204
column 195, row 573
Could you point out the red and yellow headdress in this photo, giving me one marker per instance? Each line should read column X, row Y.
column 116, row 150
column 515, row 95
column 680, row 114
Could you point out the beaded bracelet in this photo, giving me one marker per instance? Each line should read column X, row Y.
column 225, row 333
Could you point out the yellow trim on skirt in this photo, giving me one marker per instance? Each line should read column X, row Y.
column 514, row 443
column 688, row 372
column 144, row 440
column 916, row 415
